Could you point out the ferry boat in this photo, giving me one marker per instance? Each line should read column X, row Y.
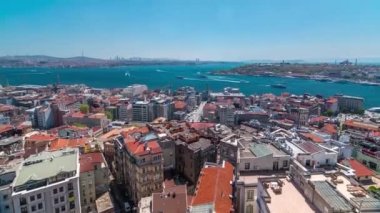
column 278, row 86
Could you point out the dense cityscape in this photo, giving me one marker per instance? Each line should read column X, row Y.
column 73, row 148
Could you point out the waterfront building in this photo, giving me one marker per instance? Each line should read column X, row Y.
column 350, row 103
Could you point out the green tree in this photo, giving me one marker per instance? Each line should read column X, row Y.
column 328, row 113
column 84, row 108
column 109, row 115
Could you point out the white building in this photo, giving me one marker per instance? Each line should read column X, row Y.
column 141, row 111
column 134, row 90
column 226, row 114
column 48, row 182
column 7, row 176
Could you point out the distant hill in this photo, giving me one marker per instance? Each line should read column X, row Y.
column 80, row 61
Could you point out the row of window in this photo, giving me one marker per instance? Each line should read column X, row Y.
column 248, row 165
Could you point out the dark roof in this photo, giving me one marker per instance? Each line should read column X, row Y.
column 310, row 147
column 171, row 200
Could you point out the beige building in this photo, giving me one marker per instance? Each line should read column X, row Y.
column 139, row 163
column 94, row 179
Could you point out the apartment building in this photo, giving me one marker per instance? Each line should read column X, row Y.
column 48, row 182
column 94, row 179
column 139, row 163
column 214, row 189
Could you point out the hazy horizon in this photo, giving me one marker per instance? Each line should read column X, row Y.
column 210, row 30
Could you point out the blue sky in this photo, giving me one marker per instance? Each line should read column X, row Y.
column 189, row 29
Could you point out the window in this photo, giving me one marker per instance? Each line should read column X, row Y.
column 55, row 200
column 91, row 200
column 56, row 210
column 32, row 198
column 71, row 194
column 72, row 205
column 40, row 206
column 246, row 166
column 63, row 208
column 250, row 195
column 62, row 199
column 285, row 163
column 22, row 201
column 39, row 196
column 6, row 207
column 24, row 209
column 70, row 186
column 249, row 209
column 61, row 189
column 55, row 191
column 34, row 208
column 5, row 197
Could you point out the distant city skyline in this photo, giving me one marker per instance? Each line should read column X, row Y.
column 210, row 30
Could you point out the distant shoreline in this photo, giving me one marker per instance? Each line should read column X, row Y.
column 368, row 75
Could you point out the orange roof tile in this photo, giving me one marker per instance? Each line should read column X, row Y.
column 88, row 160
column 360, row 169
column 318, row 119
column 313, row 137
column 330, row 129
column 5, row 128
column 179, row 105
column 62, row 143
column 40, row 138
column 201, row 125
column 139, row 148
column 214, row 187
column 361, row 125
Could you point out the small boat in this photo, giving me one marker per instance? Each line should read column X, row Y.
column 127, row 74
column 278, row 86
column 202, row 76
column 180, row 77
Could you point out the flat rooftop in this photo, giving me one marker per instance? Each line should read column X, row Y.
column 47, row 164
column 289, row 201
column 260, row 150
column 344, row 187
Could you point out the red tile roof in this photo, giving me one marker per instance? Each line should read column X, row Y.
column 360, row 169
column 142, row 130
column 318, row 119
column 40, row 138
column 214, row 186
column 312, row 137
column 5, row 128
column 201, row 125
column 332, row 100
column 77, row 115
column 89, row 160
column 140, row 149
column 5, row 108
column 361, row 125
column 61, row 143
column 179, row 105
column 330, row 129
column 209, row 107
